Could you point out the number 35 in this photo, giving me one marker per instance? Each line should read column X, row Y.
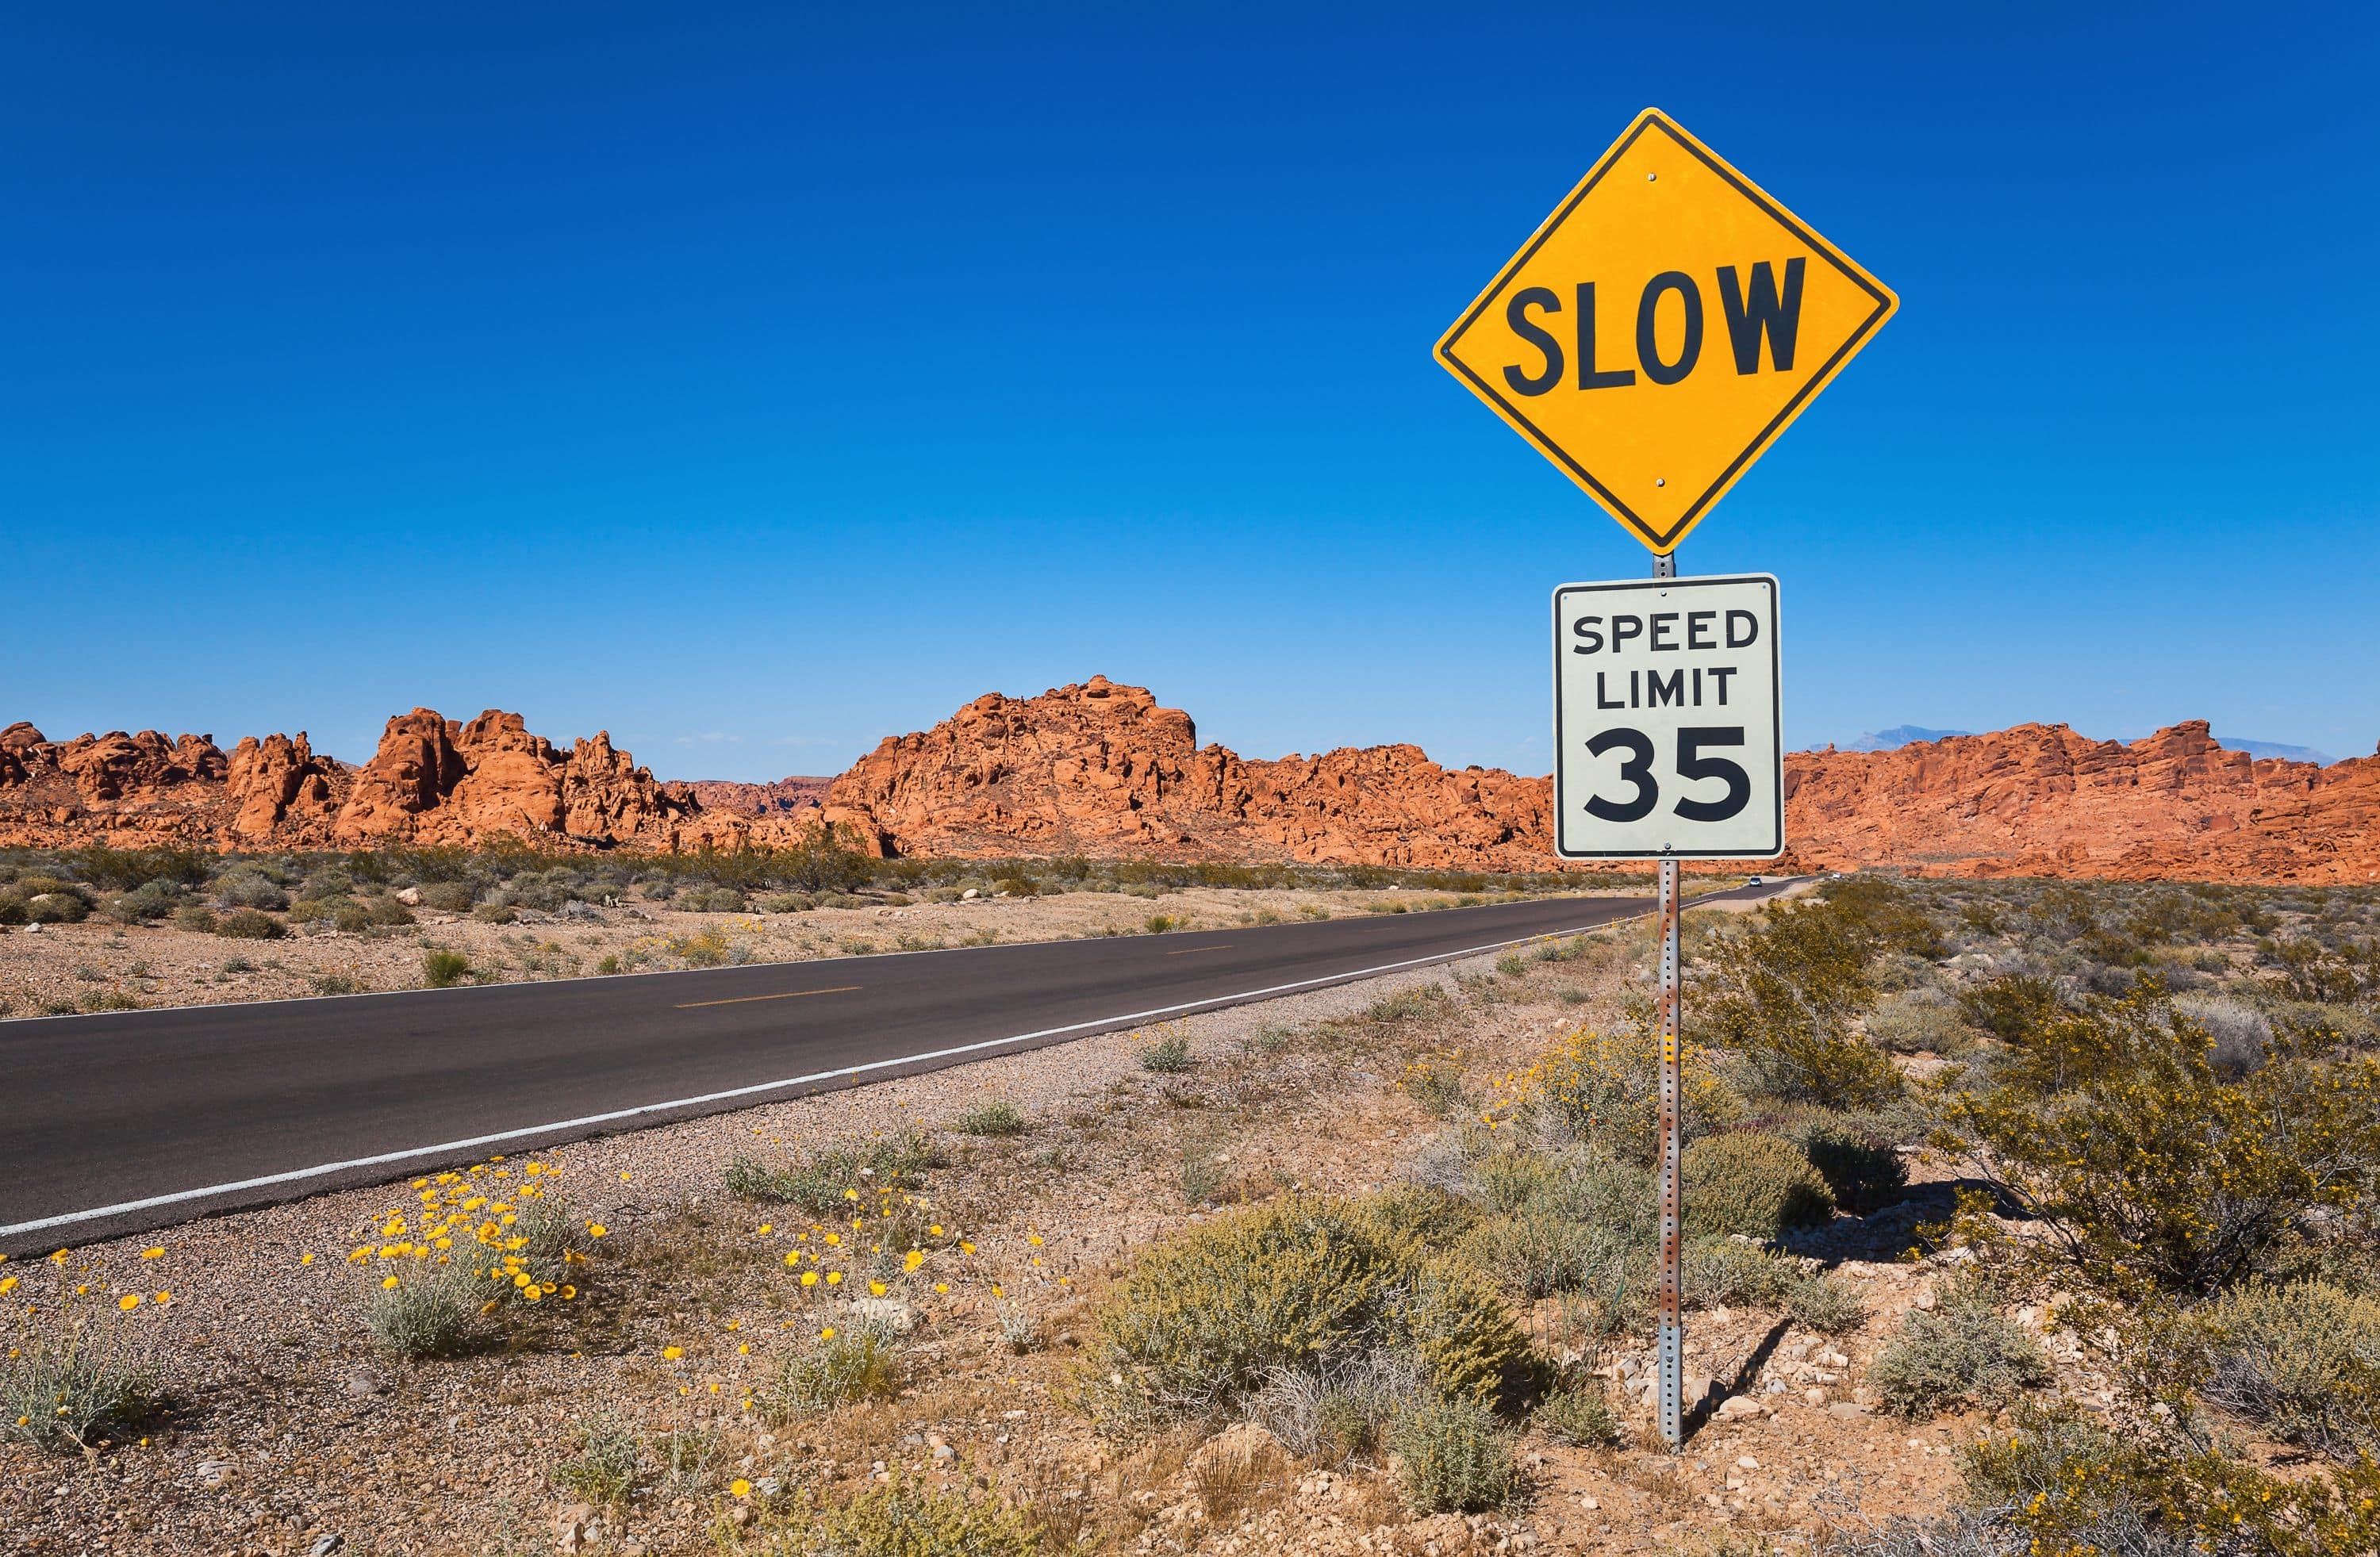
column 1638, row 770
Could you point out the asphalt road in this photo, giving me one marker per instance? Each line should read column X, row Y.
column 118, row 1122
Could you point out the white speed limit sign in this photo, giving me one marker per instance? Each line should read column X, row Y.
column 1668, row 738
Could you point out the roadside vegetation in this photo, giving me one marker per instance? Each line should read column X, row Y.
column 2065, row 1191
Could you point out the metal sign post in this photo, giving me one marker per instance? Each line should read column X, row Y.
column 1672, row 1335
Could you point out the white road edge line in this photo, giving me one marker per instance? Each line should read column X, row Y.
column 471, row 1143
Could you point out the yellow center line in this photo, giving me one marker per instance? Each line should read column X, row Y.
column 789, row 994
column 1195, row 950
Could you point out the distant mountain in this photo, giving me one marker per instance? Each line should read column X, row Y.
column 2275, row 749
column 1899, row 735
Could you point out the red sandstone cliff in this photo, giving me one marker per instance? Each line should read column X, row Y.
column 1104, row 770
column 431, row 781
column 1101, row 769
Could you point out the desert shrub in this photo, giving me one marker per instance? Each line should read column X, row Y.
column 2063, row 1484
column 1606, row 1088
column 58, row 905
column 1417, row 1003
column 2301, row 1359
column 442, row 970
column 1576, row 1413
column 709, row 900
column 815, row 1180
column 1018, row 887
column 848, row 1363
column 2238, row 1033
column 901, row 1518
column 449, row 896
column 609, row 1464
column 999, row 1117
column 1825, row 1305
column 1754, row 1184
column 1435, row 1083
column 250, row 925
column 495, row 914
column 785, row 903
column 69, row 1387
column 146, row 904
column 385, row 911
column 1205, row 1317
column 2011, row 1006
column 1785, row 995
column 1959, row 1351
column 1537, row 1249
column 244, row 887
column 1457, row 1456
column 2146, row 1168
column 1963, row 1534
column 825, row 858
column 433, row 1310
column 1338, row 1410
column 1169, row 1055
column 1722, row 1270
column 1862, row 1171
column 1159, row 923
column 1918, row 1021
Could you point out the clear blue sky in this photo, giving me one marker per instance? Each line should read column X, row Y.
column 757, row 381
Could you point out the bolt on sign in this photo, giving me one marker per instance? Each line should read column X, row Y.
column 1669, row 739
column 1661, row 328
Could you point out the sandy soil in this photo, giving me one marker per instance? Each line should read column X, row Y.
column 286, row 1429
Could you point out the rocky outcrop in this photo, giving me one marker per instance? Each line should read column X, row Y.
column 2040, row 800
column 790, row 796
column 1104, row 770
column 431, row 781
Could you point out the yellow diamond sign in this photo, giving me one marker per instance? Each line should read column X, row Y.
column 1661, row 328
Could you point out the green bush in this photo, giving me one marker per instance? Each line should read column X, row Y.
column 815, row 1180
column 250, row 925
column 1169, row 1055
column 1862, row 1172
column 847, row 1364
column 1825, row 1305
column 58, row 906
column 608, row 1466
column 2301, row 1361
column 786, row 902
column 1727, row 1271
column 1576, row 1413
column 1457, row 1457
column 1205, row 1315
column 1604, row 1088
column 2147, row 1167
column 901, row 1518
column 146, row 904
column 68, row 1389
column 1785, row 993
column 709, row 900
column 195, row 917
column 1959, row 1351
column 449, row 896
column 1918, row 1021
column 433, row 1312
column 247, row 886
column 442, row 970
column 999, row 1117
column 2012, row 1006
column 1753, row 1183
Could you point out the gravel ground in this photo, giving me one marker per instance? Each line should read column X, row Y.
column 287, row 1432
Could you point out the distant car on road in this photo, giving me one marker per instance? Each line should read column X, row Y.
column 1757, row 881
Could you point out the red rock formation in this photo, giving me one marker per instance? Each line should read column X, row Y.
column 431, row 781
column 790, row 796
column 1102, row 769
column 2039, row 800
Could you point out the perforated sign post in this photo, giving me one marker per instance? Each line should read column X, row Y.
column 1652, row 338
